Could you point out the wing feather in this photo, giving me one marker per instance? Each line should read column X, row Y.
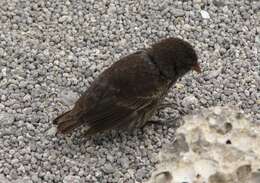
column 117, row 96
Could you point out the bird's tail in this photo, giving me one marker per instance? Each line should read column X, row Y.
column 68, row 121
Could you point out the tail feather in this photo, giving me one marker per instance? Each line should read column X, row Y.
column 67, row 122
column 57, row 119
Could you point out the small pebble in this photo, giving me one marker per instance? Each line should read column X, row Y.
column 71, row 179
column 204, row 14
column 108, row 168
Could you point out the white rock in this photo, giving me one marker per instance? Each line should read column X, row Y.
column 213, row 74
column 223, row 146
column 4, row 72
column 189, row 100
column 204, row 14
column 52, row 131
column 68, row 97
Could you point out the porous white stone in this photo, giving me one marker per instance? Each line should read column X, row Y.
column 221, row 146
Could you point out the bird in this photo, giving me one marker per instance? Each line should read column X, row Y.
column 127, row 94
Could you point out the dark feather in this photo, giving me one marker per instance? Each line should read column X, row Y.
column 68, row 121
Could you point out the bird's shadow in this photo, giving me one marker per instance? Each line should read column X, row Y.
column 108, row 138
column 117, row 138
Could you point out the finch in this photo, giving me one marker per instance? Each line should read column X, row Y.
column 127, row 94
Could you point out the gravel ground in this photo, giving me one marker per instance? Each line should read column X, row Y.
column 50, row 52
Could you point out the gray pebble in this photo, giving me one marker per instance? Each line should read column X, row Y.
column 219, row 3
column 213, row 74
column 6, row 119
column 107, row 168
column 110, row 158
column 68, row 97
column 71, row 179
column 177, row 12
column 140, row 174
column 189, row 101
column 52, row 131
column 124, row 162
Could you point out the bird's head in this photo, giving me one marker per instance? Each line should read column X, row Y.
column 174, row 57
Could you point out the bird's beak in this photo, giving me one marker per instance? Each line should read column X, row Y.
column 196, row 68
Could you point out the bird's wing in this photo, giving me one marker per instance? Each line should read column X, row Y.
column 121, row 91
column 113, row 113
column 116, row 97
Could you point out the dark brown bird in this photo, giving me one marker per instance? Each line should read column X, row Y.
column 127, row 94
